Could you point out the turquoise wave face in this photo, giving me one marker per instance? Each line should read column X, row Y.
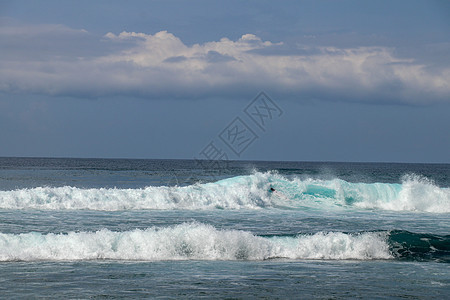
column 256, row 191
column 415, row 193
column 406, row 245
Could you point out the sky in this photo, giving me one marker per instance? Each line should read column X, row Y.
column 352, row 81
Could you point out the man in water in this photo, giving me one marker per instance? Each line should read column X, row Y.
column 277, row 193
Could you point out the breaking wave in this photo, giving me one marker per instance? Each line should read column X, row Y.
column 414, row 193
column 197, row 241
column 193, row 241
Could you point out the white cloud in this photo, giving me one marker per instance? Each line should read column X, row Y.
column 160, row 65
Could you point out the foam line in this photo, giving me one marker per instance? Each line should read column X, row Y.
column 190, row 241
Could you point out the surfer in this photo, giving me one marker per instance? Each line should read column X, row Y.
column 278, row 193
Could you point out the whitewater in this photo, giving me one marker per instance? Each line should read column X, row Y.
column 326, row 230
column 414, row 193
column 190, row 241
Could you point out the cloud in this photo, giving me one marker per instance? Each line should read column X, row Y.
column 175, row 59
column 215, row 57
column 48, row 60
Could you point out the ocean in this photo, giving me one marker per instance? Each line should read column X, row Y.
column 122, row 228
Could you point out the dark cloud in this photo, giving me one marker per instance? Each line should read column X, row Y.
column 175, row 59
column 216, row 57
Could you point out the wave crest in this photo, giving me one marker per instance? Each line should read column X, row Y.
column 190, row 241
column 415, row 193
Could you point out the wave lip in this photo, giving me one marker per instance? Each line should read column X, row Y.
column 415, row 193
column 193, row 241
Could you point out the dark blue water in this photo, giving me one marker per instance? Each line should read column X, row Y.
column 97, row 228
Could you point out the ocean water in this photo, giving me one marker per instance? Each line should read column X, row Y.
column 104, row 228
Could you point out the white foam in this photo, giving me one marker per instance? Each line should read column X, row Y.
column 190, row 241
column 416, row 193
column 241, row 192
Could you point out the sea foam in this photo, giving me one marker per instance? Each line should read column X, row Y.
column 414, row 193
column 193, row 241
